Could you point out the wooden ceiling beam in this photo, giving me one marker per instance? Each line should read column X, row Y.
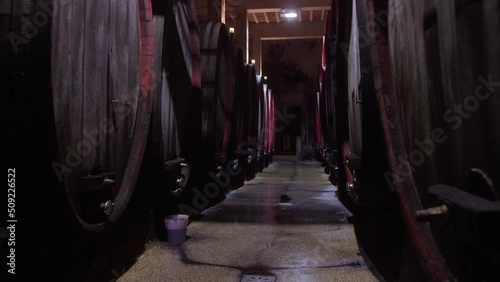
column 255, row 18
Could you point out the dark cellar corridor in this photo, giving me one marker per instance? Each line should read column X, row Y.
column 250, row 140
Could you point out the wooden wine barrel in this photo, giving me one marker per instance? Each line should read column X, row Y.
column 176, row 121
column 272, row 122
column 217, row 93
column 447, row 130
column 362, row 130
column 261, row 126
column 239, row 104
column 330, row 90
column 77, row 81
column 266, row 125
column 319, row 134
column 240, row 116
column 102, row 82
column 331, row 69
column 252, row 104
column 270, row 131
column 323, row 109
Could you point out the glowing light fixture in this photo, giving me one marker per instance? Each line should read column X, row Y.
column 231, row 35
column 253, row 62
column 289, row 14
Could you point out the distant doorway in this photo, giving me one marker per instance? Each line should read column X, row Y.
column 287, row 131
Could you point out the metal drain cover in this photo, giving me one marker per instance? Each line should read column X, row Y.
column 251, row 278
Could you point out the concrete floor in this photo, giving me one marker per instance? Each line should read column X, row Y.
column 303, row 236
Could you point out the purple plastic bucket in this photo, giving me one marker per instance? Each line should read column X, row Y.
column 176, row 226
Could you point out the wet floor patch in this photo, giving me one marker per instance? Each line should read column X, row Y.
column 285, row 198
column 294, row 231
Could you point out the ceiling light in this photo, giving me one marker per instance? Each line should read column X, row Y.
column 231, row 35
column 288, row 13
